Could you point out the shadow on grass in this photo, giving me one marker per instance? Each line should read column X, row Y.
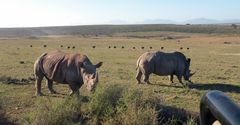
column 84, row 99
column 224, row 87
column 163, row 85
column 3, row 119
column 176, row 116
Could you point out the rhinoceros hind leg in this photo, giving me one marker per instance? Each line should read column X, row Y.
column 139, row 76
column 38, row 85
column 50, row 87
column 146, row 78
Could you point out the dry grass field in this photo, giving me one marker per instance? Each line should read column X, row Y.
column 118, row 98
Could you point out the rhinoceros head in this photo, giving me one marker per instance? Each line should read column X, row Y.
column 90, row 75
column 188, row 73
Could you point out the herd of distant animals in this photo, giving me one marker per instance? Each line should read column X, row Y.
column 73, row 47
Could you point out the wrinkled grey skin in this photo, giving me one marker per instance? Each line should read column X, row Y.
column 163, row 64
column 72, row 69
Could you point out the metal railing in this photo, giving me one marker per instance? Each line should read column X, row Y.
column 215, row 105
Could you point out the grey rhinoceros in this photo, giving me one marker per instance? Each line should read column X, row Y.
column 72, row 69
column 163, row 64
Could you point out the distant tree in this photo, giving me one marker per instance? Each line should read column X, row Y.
column 234, row 26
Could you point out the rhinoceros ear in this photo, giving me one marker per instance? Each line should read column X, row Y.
column 188, row 60
column 98, row 65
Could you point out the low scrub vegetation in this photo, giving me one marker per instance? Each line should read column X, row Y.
column 49, row 113
column 108, row 105
column 120, row 105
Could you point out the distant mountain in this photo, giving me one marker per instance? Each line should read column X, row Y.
column 201, row 21
column 210, row 21
column 118, row 21
column 158, row 21
column 191, row 21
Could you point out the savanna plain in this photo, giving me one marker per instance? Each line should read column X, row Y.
column 118, row 99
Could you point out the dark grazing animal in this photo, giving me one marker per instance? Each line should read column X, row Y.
column 72, row 69
column 163, row 64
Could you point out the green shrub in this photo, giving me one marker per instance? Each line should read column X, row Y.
column 109, row 105
column 120, row 105
column 65, row 113
column 191, row 121
column 104, row 102
column 136, row 107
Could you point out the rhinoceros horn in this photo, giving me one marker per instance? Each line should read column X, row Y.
column 191, row 74
column 96, row 77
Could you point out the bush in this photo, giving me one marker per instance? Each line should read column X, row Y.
column 135, row 107
column 110, row 105
column 121, row 105
column 104, row 102
column 65, row 113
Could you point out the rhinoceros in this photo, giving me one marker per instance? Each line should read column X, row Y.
column 163, row 64
column 72, row 69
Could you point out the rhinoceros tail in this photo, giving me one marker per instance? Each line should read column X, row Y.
column 38, row 67
column 138, row 61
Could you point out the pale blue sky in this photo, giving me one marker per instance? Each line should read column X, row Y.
column 21, row 13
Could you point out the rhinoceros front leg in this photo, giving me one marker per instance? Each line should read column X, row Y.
column 180, row 79
column 139, row 76
column 50, row 86
column 38, row 85
column 170, row 77
column 74, row 89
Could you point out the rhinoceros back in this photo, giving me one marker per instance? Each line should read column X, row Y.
column 167, row 63
column 170, row 63
column 52, row 65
